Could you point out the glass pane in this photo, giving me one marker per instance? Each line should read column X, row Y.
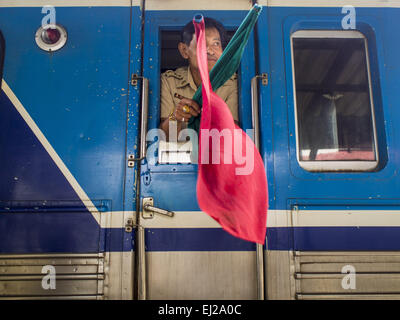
column 333, row 100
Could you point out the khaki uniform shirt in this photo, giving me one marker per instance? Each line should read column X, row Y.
column 181, row 81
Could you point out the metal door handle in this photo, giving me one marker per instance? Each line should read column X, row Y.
column 158, row 210
column 149, row 209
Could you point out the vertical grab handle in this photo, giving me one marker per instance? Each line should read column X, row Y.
column 140, row 236
column 141, row 274
column 254, row 110
column 145, row 113
column 255, row 123
column 254, row 105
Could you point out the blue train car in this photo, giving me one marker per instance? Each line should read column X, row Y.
column 83, row 212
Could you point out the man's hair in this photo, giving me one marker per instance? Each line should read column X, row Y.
column 188, row 30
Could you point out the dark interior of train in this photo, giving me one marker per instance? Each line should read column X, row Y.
column 170, row 56
column 333, row 99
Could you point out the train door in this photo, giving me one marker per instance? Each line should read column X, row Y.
column 182, row 252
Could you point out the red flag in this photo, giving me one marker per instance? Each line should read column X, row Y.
column 231, row 186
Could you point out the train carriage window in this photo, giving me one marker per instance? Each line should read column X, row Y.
column 180, row 151
column 333, row 101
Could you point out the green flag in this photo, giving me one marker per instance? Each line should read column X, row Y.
column 229, row 61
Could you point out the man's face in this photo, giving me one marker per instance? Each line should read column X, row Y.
column 214, row 49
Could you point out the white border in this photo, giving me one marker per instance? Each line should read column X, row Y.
column 201, row 4
column 346, row 218
column 284, row 219
column 275, row 219
column 197, row 5
column 69, row 3
column 330, row 3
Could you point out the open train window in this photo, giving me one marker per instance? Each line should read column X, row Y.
column 170, row 57
column 335, row 125
column 181, row 151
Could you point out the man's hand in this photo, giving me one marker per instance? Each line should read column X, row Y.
column 186, row 109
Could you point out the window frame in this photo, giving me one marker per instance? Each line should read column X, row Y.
column 159, row 21
column 332, row 165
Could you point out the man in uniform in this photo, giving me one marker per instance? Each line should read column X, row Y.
column 179, row 86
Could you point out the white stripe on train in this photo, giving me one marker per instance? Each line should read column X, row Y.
column 275, row 219
column 50, row 150
column 201, row 5
column 69, row 3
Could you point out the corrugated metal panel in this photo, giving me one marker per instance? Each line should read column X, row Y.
column 77, row 276
column 319, row 275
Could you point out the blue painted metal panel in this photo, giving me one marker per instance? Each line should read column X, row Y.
column 29, row 173
column 339, row 238
column 279, row 239
column 78, row 98
column 27, row 170
column 175, row 191
column 131, row 186
column 334, row 238
column 117, row 240
column 192, row 239
column 50, row 226
column 347, row 239
column 49, row 232
column 287, row 180
column 290, row 180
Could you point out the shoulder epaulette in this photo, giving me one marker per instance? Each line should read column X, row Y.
column 172, row 73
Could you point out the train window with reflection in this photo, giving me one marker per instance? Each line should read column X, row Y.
column 333, row 101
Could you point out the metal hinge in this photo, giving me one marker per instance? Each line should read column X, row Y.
column 131, row 161
column 129, row 225
column 264, row 79
column 134, row 79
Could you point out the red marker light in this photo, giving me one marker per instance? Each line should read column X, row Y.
column 50, row 36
